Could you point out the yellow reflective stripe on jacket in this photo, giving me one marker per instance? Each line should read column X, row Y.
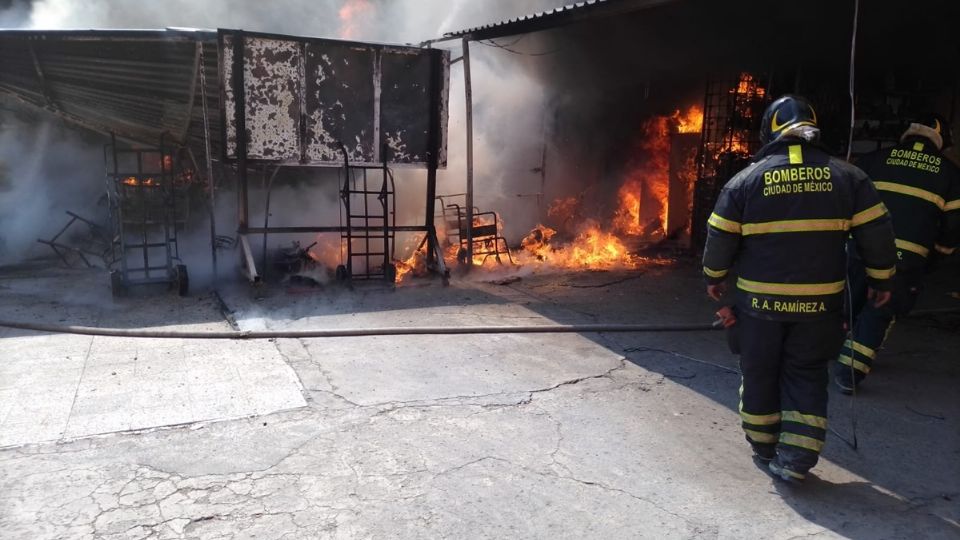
column 795, row 154
column 761, row 437
column 714, row 273
column 868, row 215
column 802, row 441
column 952, row 205
column 861, row 348
column 944, row 249
column 805, row 419
column 857, row 365
column 796, row 225
column 760, row 419
column 723, row 223
column 877, row 273
column 790, row 289
column 928, row 196
column 910, row 246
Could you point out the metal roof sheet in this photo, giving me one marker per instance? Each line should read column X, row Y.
column 138, row 84
column 560, row 16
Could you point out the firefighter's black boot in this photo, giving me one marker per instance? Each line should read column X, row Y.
column 844, row 381
column 764, row 452
column 785, row 473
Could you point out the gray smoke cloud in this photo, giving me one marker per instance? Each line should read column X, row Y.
column 14, row 13
column 45, row 168
column 509, row 103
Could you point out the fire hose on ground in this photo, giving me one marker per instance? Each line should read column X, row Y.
column 358, row 332
column 419, row 331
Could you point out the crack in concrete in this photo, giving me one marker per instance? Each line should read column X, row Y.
column 304, row 391
column 76, row 392
column 810, row 535
column 525, row 396
column 571, row 478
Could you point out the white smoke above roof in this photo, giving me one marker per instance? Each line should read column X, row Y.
column 403, row 21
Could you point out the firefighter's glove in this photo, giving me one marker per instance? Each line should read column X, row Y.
column 879, row 298
column 716, row 290
column 725, row 317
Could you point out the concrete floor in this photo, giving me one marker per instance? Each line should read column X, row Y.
column 507, row 436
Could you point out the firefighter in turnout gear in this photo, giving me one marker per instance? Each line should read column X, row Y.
column 784, row 221
column 921, row 188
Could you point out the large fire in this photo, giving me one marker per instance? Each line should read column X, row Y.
column 573, row 241
column 648, row 182
column 745, row 95
column 591, row 249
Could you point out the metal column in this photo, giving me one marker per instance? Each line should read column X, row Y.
column 468, row 96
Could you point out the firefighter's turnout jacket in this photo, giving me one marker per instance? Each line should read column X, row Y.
column 921, row 189
column 785, row 220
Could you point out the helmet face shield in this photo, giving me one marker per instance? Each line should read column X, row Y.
column 784, row 116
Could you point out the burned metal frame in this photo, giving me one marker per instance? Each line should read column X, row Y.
column 434, row 155
column 157, row 207
column 95, row 229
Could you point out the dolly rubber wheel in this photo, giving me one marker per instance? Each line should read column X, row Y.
column 341, row 273
column 117, row 288
column 462, row 256
column 390, row 273
column 182, row 280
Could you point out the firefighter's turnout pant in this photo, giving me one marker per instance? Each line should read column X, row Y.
column 783, row 398
column 872, row 324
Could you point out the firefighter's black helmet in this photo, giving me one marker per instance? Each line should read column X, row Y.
column 939, row 126
column 786, row 112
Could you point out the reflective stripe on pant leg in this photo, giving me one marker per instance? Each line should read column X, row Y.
column 759, row 390
column 808, row 349
column 869, row 332
column 803, row 430
column 760, row 428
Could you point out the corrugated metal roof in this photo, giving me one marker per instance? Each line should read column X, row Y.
column 138, row 84
column 560, row 16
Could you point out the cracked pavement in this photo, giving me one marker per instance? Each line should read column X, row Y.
column 506, row 436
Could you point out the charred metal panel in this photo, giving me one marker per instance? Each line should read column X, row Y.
column 405, row 105
column 304, row 97
column 272, row 85
column 444, row 112
column 339, row 84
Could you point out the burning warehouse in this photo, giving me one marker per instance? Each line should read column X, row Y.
column 373, row 212
column 651, row 106
column 640, row 112
column 215, row 108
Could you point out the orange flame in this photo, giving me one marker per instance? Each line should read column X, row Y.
column 133, row 181
column 690, row 121
column 353, row 14
column 649, row 176
column 416, row 263
column 749, row 86
column 746, row 95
